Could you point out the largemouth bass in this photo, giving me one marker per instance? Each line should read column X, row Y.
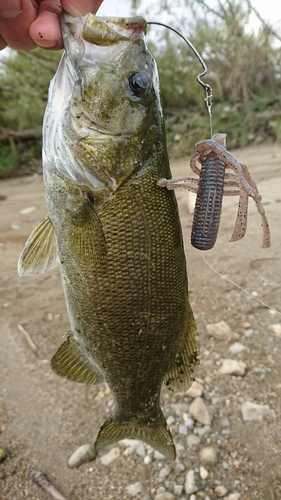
column 115, row 234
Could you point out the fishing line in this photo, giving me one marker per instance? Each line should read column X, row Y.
column 238, row 286
column 206, row 86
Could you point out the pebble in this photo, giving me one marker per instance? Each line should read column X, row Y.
column 165, row 496
column 147, row 460
column 276, row 328
column 165, row 471
column 191, row 481
column 189, row 422
column 109, row 457
column 183, row 430
column 221, row 491
column 199, row 411
column 236, row 348
column 171, row 420
column 28, row 210
column 192, row 440
column 203, row 472
column 203, row 431
column 220, row 330
column 158, row 456
column 134, row 489
column 208, row 456
column 234, row 496
column 255, row 412
column 196, row 389
column 233, row 367
column 140, row 450
column 178, row 489
column 84, row 453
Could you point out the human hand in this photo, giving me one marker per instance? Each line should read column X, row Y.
column 26, row 24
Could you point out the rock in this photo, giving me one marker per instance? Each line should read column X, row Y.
column 220, row 330
column 28, row 210
column 178, row 488
column 221, row 491
column 233, row 367
column 276, row 328
column 199, row 411
column 236, row 348
column 233, row 496
column 147, row 460
column 196, row 389
column 208, row 456
column 189, row 422
column 170, row 420
column 158, row 455
column 191, row 481
column 183, row 430
column 165, row 496
column 83, row 454
column 192, row 440
column 140, row 449
column 165, row 471
column 203, row 431
column 134, row 489
column 255, row 412
column 110, row 456
column 203, row 472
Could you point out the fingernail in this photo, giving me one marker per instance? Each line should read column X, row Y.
column 13, row 11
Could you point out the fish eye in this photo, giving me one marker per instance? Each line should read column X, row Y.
column 138, row 84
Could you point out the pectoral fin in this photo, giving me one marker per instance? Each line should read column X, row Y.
column 70, row 362
column 40, row 253
column 181, row 374
column 156, row 434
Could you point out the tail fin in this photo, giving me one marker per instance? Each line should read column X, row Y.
column 156, row 434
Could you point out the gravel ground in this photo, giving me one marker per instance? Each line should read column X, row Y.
column 226, row 427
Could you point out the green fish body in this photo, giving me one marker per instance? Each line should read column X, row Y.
column 115, row 234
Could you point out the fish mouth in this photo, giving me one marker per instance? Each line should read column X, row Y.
column 103, row 31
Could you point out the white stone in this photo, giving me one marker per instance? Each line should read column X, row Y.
column 178, row 488
column 220, row 330
column 140, row 449
column 190, row 482
column 203, row 472
column 236, row 348
column 147, row 460
column 158, row 455
column 233, row 367
column 199, row 411
column 83, row 454
column 192, row 440
column 234, row 496
column 276, row 328
column 28, row 210
column 134, row 489
column 221, row 491
column 165, row 496
column 255, row 412
column 196, row 389
column 109, row 457
column 208, row 456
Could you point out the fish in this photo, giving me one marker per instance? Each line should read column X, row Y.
column 114, row 233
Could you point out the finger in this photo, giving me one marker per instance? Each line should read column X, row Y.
column 9, row 9
column 45, row 30
column 15, row 31
column 81, row 8
column 2, row 43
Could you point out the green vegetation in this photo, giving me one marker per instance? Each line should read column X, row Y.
column 243, row 70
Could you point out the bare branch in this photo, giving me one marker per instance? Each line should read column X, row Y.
column 41, row 480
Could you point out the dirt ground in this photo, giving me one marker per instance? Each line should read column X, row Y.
column 44, row 418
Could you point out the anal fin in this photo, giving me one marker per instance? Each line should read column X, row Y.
column 40, row 253
column 181, row 373
column 70, row 362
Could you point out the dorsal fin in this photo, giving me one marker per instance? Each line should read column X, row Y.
column 40, row 253
column 70, row 362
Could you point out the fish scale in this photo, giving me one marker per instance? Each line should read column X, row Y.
column 115, row 234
